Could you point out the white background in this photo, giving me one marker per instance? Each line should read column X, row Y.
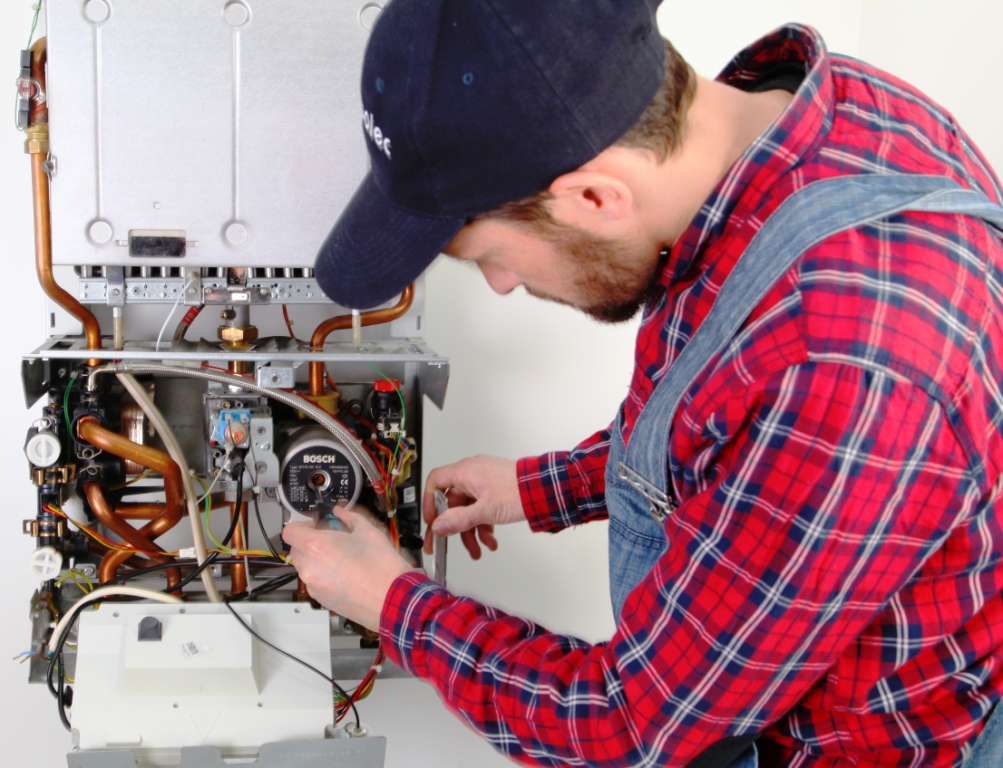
column 526, row 377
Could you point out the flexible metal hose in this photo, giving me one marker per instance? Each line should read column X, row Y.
column 350, row 441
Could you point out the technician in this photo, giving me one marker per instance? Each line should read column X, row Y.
column 804, row 484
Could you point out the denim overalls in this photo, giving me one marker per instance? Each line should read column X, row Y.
column 638, row 491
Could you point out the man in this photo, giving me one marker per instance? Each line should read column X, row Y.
column 820, row 568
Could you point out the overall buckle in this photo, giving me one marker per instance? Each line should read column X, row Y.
column 661, row 504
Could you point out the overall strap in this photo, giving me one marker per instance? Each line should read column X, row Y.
column 806, row 218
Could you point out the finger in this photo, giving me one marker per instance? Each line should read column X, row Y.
column 469, row 540
column 428, row 504
column 294, row 534
column 428, row 546
column 349, row 518
column 458, row 498
column 486, row 533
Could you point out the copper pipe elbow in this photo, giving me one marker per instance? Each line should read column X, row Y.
column 343, row 322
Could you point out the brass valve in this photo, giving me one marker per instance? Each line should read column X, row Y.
column 36, row 139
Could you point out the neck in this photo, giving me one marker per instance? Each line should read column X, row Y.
column 721, row 124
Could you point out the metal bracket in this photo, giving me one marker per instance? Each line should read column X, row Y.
column 116, row 286
column 275, row 377
column 193, row 293
column 236, row 294
column 33, row 528
column 54, row 475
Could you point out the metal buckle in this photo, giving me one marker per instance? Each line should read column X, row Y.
column 662, row 505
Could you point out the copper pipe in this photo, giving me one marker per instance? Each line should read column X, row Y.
column 37, row 146
column 140, row 510
column 90, row 430
column 39, row 110
column 43, row 255
column 302, row 594
column 343, row 322
column 136, row 538
column 238, row 573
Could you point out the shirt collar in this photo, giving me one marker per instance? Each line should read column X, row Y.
column 797, row 133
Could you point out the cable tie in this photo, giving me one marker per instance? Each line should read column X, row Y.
column 377, row 668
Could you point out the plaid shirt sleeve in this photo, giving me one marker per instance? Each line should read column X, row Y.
column 565, row 488
column 828, row 487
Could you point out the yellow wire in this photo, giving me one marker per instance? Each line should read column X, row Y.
column 147, row 473
column 72, row 575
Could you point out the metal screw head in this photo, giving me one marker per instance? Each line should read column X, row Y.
column 260, row 467
column 261, row 430
column 115, row 291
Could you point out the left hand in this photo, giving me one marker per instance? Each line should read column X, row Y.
column 348, row 572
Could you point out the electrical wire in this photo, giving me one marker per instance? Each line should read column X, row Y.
column 162, row 428
column 331, row 680
column 170, row 314
column 289, row 323
column 37, row 7
column 143, row 476
column 58, row 639
column 66, row 401
column 100, row 594
column 186, row 321
column 261, row 527
column 344, row 435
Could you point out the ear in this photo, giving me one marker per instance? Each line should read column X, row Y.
column 591, row 199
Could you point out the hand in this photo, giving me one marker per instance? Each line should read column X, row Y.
column 348, row 572
column 483, row 491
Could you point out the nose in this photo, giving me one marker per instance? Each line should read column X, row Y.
column 499, row 279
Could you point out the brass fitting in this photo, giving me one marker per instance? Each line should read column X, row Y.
column 238, row 334
column 36, row 139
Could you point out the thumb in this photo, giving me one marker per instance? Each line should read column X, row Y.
column 456, row 520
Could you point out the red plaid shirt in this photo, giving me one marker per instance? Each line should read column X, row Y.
column 839, row 472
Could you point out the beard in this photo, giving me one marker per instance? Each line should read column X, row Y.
column 610, row 280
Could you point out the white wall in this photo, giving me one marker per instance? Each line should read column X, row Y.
column 526, row 377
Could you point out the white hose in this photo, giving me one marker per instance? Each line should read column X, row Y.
column 100, row 594
column 174, row 450
column 322, row 417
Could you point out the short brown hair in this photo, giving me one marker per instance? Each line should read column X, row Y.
column 658, row 130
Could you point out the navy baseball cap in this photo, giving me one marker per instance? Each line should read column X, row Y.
column 468, row 104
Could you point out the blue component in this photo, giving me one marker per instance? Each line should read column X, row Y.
column 241, row 417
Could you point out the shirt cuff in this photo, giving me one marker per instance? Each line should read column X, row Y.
column 546, row 492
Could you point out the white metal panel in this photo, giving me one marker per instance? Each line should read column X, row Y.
column 235, row 121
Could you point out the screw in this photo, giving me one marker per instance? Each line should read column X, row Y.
column 191, row 291
column 61, row 373
column 276, row 379
column 260, row 467
column 115, row 291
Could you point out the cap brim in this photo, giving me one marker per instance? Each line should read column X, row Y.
column 377, row 248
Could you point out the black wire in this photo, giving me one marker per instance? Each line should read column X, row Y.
column 331, row 680
column 261, row 527
column 269, row 586
column 60, row 700
column 235, row 520
column 182, row 563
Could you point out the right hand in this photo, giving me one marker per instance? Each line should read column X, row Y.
column 482, row 492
